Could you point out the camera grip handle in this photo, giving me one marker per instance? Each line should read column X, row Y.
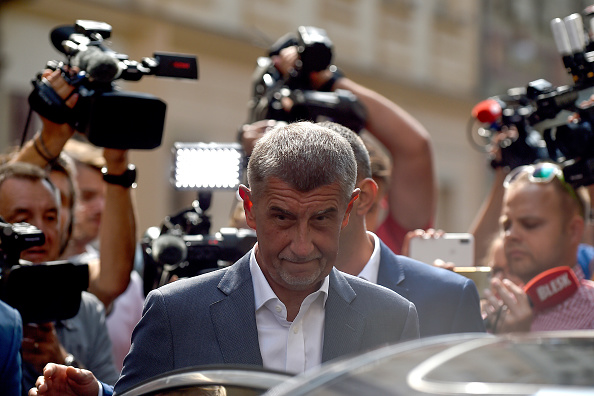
column 47, row 103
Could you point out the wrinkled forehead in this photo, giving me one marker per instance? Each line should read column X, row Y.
column 36, row 188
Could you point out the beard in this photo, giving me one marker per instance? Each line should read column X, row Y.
column 301, row 280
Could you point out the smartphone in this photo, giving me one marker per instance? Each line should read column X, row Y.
column 457, row 248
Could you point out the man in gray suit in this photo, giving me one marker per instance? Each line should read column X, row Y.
column 446, row 302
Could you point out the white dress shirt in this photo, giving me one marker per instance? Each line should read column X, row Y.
column 295, row 346
column 371, row 269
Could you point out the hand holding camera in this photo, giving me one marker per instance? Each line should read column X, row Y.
column 107, row 116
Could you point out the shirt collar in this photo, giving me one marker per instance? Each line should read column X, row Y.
column 262, row 290
column 371, row 269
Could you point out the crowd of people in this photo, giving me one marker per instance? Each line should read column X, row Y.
column 332, row 210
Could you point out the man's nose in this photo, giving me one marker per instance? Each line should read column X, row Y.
column 302, row 243
column 511, row 232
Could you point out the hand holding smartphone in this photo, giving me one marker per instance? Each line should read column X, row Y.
column 457, row 248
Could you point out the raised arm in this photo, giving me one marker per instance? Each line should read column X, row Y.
column 109, row 276
column 485, row 225
column 117, row 236
column 412, row 188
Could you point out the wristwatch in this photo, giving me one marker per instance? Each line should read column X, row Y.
column 126, row 179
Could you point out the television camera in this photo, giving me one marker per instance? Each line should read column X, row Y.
column 271, row 89
column 108, row 116
column 183, row 245
column 26, row 286
column 537, row 114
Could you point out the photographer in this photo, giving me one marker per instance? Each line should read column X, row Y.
column 110, row 276
column 83, row 339
column 27, row 195
column 407, row 193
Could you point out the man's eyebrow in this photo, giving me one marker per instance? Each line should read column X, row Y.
column 326, row 211
column 279, row 209
column 19, row 210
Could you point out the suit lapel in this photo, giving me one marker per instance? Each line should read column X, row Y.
column 391, row 271
column 233, row 317
column 343, row 327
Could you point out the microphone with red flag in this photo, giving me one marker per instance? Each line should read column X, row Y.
column 551, row 287
column 488, row 111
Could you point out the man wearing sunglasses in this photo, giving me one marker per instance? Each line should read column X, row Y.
column 542, row 222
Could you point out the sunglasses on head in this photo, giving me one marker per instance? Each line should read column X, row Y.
column 543, row 172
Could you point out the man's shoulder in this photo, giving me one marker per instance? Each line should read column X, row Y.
column 10, row 325
column 189, row 285
column 9, row 315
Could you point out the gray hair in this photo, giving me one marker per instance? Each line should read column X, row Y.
column 358, row 146
column 305, row 156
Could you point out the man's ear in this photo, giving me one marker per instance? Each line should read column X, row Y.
column 576, row 228
column 354, row 197
column 367, row 197
column 246, row 197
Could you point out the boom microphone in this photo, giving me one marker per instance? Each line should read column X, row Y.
column 488, row 111
column 551, row 287
column 99, row 65
column 169, row 249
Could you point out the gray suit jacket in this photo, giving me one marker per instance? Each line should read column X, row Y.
column 210, row 319
column 446, row 302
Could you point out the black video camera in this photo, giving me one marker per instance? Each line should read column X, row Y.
column 270, row 88
column 569, row 143
column 107, row 116
column 28, row 287
column 184, row 247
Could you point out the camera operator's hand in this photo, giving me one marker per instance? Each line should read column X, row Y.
column 58, row 380
column 41, row 345
column 116, row 160
column 507, row 307
column 285, row 64
column 48, row 143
